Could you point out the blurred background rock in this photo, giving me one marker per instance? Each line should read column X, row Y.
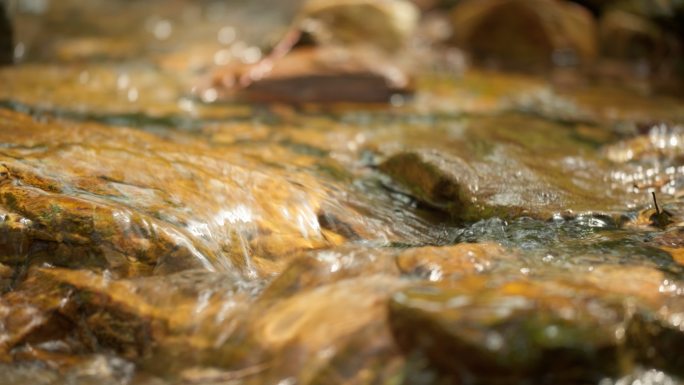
column 638, row 42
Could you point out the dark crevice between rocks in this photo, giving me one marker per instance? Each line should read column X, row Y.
column 6, row 37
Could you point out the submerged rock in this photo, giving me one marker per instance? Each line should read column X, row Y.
column 75, row 310
column 203, row 326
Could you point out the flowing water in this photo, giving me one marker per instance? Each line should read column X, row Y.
column 493, row 228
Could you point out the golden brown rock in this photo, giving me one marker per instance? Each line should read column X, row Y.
column 78, row 203
column 447, row 262
column 90, row 312
column 197, row 320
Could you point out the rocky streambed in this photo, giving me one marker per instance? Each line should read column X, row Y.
column 491, row 228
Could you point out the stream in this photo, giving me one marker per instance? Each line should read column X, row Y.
column 487, row 227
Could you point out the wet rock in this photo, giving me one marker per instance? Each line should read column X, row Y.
column 45, row 226
column 513, row 330
column 426, row 182
column 74, row 311
column 616, row 108
column 472, row 191
column 640, row 49
column 209, row 326
column 320, row 75
column 641, row 42
column 494, row 329
column 480, row 167
column 133, row 213
column 335, row 316
column 320, row 264
column 525, row 34
column 547, row 103
column 322, row 320
column 318, row 268
column 639, row 283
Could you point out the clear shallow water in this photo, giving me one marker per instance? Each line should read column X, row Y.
column 584, row 242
